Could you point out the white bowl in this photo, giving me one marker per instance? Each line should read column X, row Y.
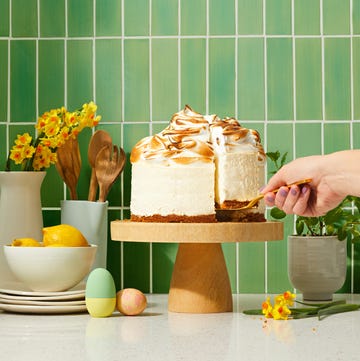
column 50, row 269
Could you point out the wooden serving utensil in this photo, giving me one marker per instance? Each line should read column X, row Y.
column 108, row 167
column 68, row 164
column 98, row 140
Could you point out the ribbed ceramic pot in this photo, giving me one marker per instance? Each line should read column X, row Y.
column 91, row 219
column 20, row 212
column 317, row 265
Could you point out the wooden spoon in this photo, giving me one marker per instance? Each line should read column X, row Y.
column 98, row 140
column 108, row 167
column 69, row 164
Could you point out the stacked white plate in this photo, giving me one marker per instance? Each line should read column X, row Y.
column 14, row 298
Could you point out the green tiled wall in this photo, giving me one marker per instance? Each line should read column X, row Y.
column 289, row 68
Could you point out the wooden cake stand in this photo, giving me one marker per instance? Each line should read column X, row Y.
column 200, row 281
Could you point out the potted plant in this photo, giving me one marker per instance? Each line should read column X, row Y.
column 317, row 253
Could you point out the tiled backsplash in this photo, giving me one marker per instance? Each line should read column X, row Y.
column 288, row 68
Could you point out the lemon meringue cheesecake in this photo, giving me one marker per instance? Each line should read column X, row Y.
column 196, row 165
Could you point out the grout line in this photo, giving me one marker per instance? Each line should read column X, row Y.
column 236, row 80
column 265, row 132
column 352, row 260
column 151, row 131
column 179, row 55
column 207, row 58
column 322, row 76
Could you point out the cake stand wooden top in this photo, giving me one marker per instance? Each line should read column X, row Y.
column 219, row 232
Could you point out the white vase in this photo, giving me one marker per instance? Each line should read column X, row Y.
column 20, row 212
column 317, row 265
column 91, row 219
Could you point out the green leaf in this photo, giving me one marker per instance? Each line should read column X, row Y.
column 277, row 213
column 337, row 309
column 274, row 156
column 253, row 312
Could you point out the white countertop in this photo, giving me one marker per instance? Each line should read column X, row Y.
column 160, row 335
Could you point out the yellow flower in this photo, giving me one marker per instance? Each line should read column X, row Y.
column 281, row 312
column 267, row 308
column 54, row 127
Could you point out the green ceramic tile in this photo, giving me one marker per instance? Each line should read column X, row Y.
column 136, row 17
column 251, row 87
column 279, row 79
column 356, row 16
column 337, row 79
column 336, row 17
column 164, row 17
column 24, row 21
column 278, row 17
column 51, row 217
column 356, row 77
column 250, row 17
column 280, row 138
column 193, row 73
column 163, row 259
column 307, row 17
column 3, row 80
column 52, row 190
column 277, row 271
column 50, row 25
column 3, row 147
column 158, row 127
column 336, row 137
column 251, row 274
column 222, row 77
column 51, row 74
column 191, row 10
column 164, row 78
column 114, row 252
column 137, row 266
column 308, row 78
column 108, row 79
column 79, row 72
column 4, row 18
column 23, row 81
column 221, row 17
column 136, row 58
column 80, row 18
column 132, row 134
column 356, row 135
column 108, row 18
column 229, row 250
column 307, row 139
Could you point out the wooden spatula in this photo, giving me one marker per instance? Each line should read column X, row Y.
column 69, row 164
column 108, row 167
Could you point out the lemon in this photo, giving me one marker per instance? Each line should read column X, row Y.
column 63, row 235
column 25, row 242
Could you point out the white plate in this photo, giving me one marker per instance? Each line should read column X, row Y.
column 19, row 290
column 41, row 303
column 42, row 309
column 71, row 296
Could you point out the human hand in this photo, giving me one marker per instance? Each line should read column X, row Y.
column 311, row 200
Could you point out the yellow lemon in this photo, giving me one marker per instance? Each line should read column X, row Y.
column 25, row 242
column 63, row 235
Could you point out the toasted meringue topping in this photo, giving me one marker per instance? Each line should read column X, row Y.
column 191, row 137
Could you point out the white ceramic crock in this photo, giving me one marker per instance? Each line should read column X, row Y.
column 317, row 265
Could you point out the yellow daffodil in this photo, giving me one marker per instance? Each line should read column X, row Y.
column 54, row 128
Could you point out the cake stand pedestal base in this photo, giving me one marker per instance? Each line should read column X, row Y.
column 200, row 281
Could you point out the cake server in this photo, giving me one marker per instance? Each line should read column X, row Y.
column 261, row 196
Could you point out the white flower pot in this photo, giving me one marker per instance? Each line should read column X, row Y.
column 317, row 265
